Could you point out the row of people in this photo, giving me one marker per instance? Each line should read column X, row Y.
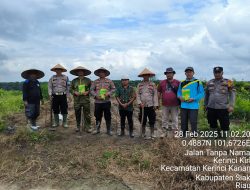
column 186, row 94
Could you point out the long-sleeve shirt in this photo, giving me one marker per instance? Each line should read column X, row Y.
column 147, row 94
column 59, row 84
column 102, row 85
column 32, row 92
column 193, row 89
column 220, row 94
column 80, row 86
column 125, row 95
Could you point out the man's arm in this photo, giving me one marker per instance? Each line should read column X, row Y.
column 232, row 95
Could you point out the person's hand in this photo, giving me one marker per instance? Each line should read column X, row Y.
column 141, row 105
column 25, row 103
column 205, row 108
column 181, row 99
column 190, row 100
column 156, row 107
column 69, row 99
column 50, row 98
column 76, row 93
column 85, row 93
column 230, row 109
column 98, row 98
column 125, row 105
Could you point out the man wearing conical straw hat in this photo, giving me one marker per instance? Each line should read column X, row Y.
column 80, row 87
column 102, row 89
column 58, row 88
column 32, row 95
column 147, row 99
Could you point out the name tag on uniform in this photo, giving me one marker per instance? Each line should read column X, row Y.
column 81, row 88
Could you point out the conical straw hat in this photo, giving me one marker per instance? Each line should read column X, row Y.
column 26, row 74
column 146, row 72
column 58, row 66
column 80, row 68
column 101, row 69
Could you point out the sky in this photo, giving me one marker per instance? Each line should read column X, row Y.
column 125, row 36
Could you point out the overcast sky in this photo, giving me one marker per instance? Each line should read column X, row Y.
column 125, row 36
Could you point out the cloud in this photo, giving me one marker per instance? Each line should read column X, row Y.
column 125, row 36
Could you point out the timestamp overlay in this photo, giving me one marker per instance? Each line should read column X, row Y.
column 225, row 157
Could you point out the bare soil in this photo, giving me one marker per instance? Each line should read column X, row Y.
column 63, row 159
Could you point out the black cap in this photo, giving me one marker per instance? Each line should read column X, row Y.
column 218, row 69
column 189, row 69
column 169, row 70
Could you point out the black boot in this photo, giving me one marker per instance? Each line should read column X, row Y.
column 143, row 131
column 108, row 125
column 122, row 132
column 97, row 131
column 131, row 133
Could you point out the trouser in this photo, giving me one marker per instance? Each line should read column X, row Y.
column 170, row 113
column 60, row 104
column 189, row 115
column 218, row 114
column 101, row 108
column 129, row 115
column 149, row 114
column 32, row 111
column 85, row 106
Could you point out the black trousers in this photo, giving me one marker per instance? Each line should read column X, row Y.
column 129, row 115
column 101, row 108
column 213, row 115
column 149, row 114
column 189, row 115
column 60, row 104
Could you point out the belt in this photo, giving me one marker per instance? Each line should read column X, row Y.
column 59, row 93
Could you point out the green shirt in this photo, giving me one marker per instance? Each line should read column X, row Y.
column 125, row 95
column 80, row 85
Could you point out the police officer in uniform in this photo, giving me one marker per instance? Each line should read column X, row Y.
column 58, row 89
column 219, row 100
column 102, row 89
column 147, row 99
column 80, row 88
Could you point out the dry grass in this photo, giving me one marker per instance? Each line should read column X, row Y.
column 57, row 159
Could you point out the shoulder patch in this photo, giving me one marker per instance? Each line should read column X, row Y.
column 230, row 83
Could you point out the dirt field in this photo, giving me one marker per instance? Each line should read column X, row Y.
column 62, row 159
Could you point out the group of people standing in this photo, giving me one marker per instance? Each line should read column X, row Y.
column 174, row 95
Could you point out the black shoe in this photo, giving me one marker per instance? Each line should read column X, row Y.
column 109, row 133
column 122, row 133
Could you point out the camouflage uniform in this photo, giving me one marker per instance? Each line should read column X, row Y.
column 81, row 101
column 220, row 94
